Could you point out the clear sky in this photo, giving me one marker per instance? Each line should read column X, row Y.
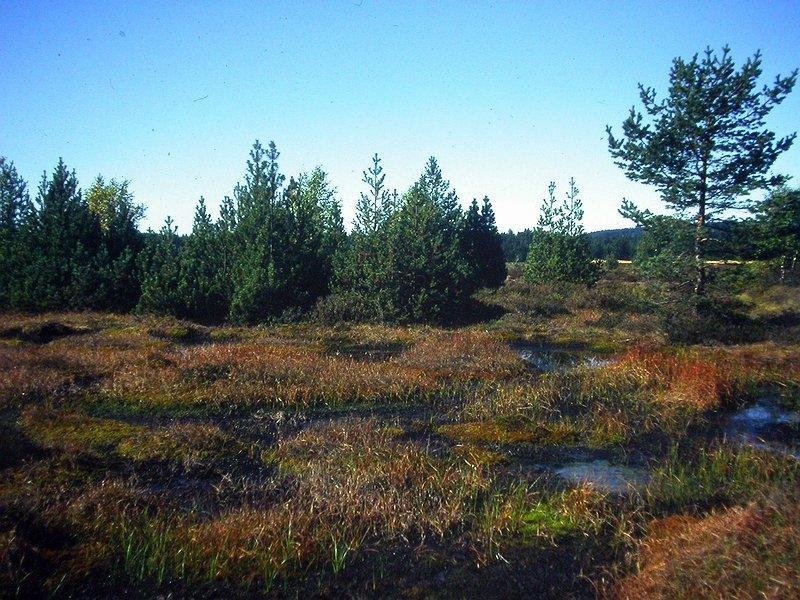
column 507, row 95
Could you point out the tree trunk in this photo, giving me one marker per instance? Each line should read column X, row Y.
column 699, row 248
column 784, row 260
column 700, row 231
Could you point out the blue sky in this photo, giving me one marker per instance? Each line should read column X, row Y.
column 507, row 95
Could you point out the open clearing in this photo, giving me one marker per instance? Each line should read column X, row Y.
column 563, row 447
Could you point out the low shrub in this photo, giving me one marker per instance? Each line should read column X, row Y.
column 348, row 307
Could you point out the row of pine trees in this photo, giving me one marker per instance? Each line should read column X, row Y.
column 277, row 250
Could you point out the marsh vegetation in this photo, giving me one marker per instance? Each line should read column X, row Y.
column 554, row 454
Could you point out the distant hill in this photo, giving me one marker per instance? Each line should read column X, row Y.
column 620, row 243
column 626, row 232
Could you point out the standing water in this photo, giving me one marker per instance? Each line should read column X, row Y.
column 604, row 475
column 766, row 425
column 555, row 359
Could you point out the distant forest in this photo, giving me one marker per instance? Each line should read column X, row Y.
column 731, row 240
column 608, row 243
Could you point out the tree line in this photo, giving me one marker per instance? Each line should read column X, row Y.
column 277, row 249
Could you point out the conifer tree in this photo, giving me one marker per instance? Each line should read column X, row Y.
column 665, row 251
column 436, row 188
column 559, row 249
column 481, row 246
column 428, row 275
column 778, row 228
column 365, row 267
column 333, row 238
column 15, row 209
column 226, row 261
column 117, row 276
column 705, row 146
column 202, row 289
column 61, row 242
column 257, row 292
column 374, row 207
column 408, row 265
column 161, row 273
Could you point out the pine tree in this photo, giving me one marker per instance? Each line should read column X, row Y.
column 202, row 289
column 778, row 228
column 117, row 277
column 560, row 249
column 436, row 188
column 161, row 273
column 226, row 261
column 61, row 241
column 375, row 206
column 409, row 264
column 333, row 240
column 705, row 146
column 364, row 267
column 15, row 209
column 482, row 248
column 471, row 242
column 257, row 292
column 665, row 251
column 428, row 275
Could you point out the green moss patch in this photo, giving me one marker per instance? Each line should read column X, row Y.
column 62, row 430
column 195, row 447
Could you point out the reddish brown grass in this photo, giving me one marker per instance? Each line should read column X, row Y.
column 749, row 552
column 463, row 355
column 693, row 382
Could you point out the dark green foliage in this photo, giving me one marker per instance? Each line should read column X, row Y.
column 202, row 287
column 560, row 250
column 615, row 243
column 515, row 245
column 15, row 209
column 366, row 265
column 270, row 255
column 257, row 292
column 705, row 146
column 481, row 247
column 429, row 276
column 113, row 205
column 778, row 228
column 406, row 260
column 374, row 208
column 313, row 234
column 67, row 250
column 161, row 273
column 665, row 251
column 61, row 240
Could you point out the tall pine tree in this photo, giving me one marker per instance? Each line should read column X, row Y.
column 15, row 210
column 161, row 273
column 113, row 205
column 257, row 290
column 705, row 146
column 61, row 241
column 202, row 287
column 481, row 246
